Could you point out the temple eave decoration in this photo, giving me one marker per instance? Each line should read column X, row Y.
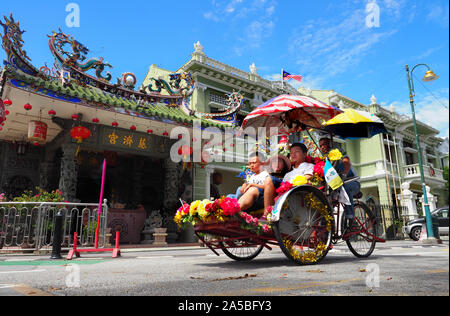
column 69, row 81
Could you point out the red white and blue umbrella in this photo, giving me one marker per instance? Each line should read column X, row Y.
column 276, row 113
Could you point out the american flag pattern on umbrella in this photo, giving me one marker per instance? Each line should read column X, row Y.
column 309, row 111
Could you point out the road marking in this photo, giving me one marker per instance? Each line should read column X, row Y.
column 436, row 271
column 268, row 290
column 159, row 257
column 28, row 271
column 29, row 291
column 19, row 260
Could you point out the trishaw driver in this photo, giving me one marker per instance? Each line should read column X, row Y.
column 345, row 167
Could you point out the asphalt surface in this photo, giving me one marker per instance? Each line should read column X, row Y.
column 395, row 268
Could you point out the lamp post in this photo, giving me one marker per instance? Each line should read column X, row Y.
column 429, row 76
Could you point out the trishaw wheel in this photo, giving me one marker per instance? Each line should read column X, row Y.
column 240, row 250
column 305, row 228
column 362, row 244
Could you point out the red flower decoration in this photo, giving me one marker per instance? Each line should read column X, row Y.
column 7, row 102
column 230, row 207
column 75, row 117
column 309, row 159
column 27, row 106
column 133, row 128
column 52, row 112
column 115, row 124
column 319, row 168
column 95, row 120
column 166, row 134
column 184, row 209
column 150, row 131
column 284, row 187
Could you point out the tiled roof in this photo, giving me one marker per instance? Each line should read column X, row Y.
column 94, row 95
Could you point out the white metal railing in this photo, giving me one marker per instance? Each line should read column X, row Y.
column 31, row 224
column 414, row 171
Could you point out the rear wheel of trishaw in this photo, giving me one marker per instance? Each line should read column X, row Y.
column 304, row 231
column 363, row 244
column 242, row 250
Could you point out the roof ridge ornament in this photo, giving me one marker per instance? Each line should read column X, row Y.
column 373, row 100
column 198, row 48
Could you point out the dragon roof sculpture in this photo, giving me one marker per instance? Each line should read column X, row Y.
column 72, row 66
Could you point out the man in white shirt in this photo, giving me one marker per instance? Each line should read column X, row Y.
column 253, row 190
column 300, row 168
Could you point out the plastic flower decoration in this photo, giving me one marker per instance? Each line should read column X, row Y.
column 194, row 207
column 202, row 209
column 335, row 155
column 299, row 180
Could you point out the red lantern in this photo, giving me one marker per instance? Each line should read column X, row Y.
column 75, row 117
column 37, row 132
column 115, row 124
column 133, row 128
column 27, row 107
column 6, row 112
column 7, row 102
column 80, row 133
column 150, row 131
column 52, row 113
column 185, row 151
column 2, row 112
column 95, row 120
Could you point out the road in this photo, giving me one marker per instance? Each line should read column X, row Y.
column 395, row 268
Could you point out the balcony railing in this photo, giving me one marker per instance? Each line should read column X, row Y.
column 413, row 171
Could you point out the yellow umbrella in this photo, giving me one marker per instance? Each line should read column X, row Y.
column 355, row 124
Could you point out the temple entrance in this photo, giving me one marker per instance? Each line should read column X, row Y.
column 131, row 181
column 133, row 188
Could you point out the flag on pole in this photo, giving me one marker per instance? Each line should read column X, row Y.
column 332, row 177
column 287, row 76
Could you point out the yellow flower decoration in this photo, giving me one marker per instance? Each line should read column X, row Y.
column 178, row 218
column 194, row 207
column 299, row 180
column 335, row 155
column 201, row 210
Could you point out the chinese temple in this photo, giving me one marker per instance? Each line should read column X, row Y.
column 58, row 124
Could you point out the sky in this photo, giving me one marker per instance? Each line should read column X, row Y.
column 358, row 48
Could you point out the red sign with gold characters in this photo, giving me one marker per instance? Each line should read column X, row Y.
column 37, row 132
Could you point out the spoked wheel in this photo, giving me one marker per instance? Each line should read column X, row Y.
column 241, row 250
column 361, row 241
column 305, row 227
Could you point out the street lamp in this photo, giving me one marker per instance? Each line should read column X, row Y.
column 429, row 76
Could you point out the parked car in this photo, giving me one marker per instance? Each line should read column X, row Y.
column 414, row 227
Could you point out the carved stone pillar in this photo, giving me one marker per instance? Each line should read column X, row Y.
column 408, row 200
column 45, row 172
column 69, row 172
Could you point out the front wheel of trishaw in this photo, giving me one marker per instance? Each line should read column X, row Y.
column 362, row 242
column 304, row 230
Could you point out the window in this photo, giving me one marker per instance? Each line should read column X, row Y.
column 409, row 158
column 443, row 213
column 217, row 98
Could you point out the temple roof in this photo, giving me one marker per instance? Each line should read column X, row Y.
column 75, row 93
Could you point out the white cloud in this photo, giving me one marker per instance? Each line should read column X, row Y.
column 328, row 48
column 432, row 110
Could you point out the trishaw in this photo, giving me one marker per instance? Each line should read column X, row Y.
column 306, row 221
